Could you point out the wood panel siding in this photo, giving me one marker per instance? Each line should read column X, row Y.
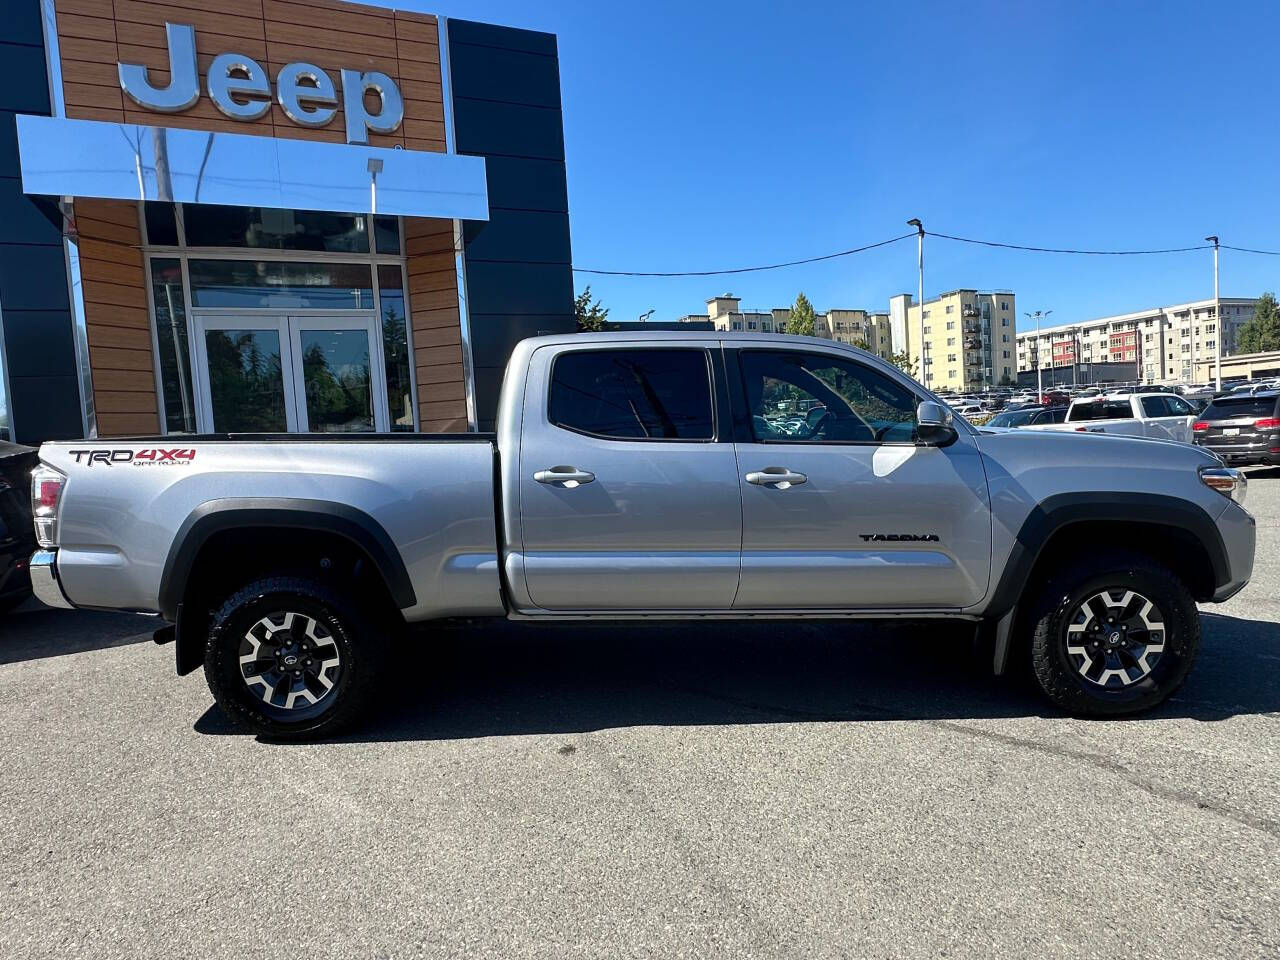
column 94, row 35
column 437, row 332
column 113, row 282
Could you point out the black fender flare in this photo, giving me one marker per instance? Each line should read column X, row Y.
column 216, row 516
column 1058, row 512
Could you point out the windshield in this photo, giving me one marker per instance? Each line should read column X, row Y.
column 1013, row 418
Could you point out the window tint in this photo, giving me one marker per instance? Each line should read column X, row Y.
column 1154, row 407
column 799, row 397
column 1229, row 408
column 1106, row 410
column 633, row 394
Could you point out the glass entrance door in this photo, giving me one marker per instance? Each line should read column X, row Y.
column 277, row 374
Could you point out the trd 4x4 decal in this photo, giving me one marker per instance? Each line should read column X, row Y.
column 175, row 457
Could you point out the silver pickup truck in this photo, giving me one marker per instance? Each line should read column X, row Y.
column 649, row 476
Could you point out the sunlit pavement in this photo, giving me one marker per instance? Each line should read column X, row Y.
column 722, row 790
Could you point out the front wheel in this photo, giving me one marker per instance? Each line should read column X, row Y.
column 1114, row 637
column 289, row 658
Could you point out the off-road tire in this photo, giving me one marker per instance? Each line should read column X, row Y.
column 1058, row 606
column 360, row 641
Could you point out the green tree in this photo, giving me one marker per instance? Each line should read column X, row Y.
column 590, row 315
column 802, row 317
column 903, row 362
column 1262, row 331
column 1007, row 381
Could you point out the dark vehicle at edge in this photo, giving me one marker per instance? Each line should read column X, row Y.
column 1028, row 417
column 17, row 535
column 1243, row 429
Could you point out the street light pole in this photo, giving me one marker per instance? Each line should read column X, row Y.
column 1039, row 362
column 1217, row 316
column 914, row 222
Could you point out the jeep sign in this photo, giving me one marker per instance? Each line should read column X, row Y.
column 238, row 86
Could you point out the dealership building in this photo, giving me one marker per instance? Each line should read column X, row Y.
column 271, row 216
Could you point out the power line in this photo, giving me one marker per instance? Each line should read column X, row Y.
column 1265, row 253
column 1091, row 253
column 715, row 273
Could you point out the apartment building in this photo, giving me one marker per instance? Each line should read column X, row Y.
column 1163, row 342
column 962, row 340
column 857, row 327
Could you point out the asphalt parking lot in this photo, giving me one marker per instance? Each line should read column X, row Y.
column 763, row 790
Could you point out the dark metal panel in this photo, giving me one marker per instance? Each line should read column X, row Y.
column 507, row 38
column 45, row 408
column 519, row 235
column 8, row 145
column 523, row 183
column 24, row 83
column 493, row 337
column 26, row 219
column 38, row 343
column 509, row 76
column 33, row 278
column 510, row 130
column 22, row 24
column 520, row 289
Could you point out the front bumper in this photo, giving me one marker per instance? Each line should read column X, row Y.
column 1239, row 536
column 44, row 579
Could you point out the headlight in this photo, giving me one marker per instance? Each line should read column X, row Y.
column 1227, row 481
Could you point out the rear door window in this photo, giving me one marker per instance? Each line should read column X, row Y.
column 1104, row 410
column 634, row 394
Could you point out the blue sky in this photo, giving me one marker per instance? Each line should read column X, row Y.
column 702, row 135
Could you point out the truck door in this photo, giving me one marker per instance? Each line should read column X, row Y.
column 848, row 511
column 628, row 483
column 1162, row 423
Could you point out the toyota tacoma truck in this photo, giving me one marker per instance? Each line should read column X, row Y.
column 1162, row 416
column 648, row 476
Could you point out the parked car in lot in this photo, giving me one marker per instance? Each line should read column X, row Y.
column 637, row 476
column 1241, row 429
column 1028, row 417
column 17, row 539
column 1158, row 415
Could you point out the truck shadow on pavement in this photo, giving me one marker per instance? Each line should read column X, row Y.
column 511, row 678
column 35, row 631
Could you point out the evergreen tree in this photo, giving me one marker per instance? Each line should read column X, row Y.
column 590, row 316
column 801, row 321
column 1262, row 331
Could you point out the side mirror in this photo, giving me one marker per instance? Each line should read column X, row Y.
column 933, row 423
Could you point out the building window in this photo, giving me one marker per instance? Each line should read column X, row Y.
column 951, row 307
column 1006, row 355
column 951, row 374
column 751, row 324
column 951, row 324
column 951, row 341
column 395, row 346
column 1004, row 304
column 178, row 403
column 1004, row 338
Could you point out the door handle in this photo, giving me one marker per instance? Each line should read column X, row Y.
column 779, row 477
column 569, row 476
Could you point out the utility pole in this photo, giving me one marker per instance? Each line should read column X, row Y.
column 1039, row 363
column 1217, row 316
column 914, row 222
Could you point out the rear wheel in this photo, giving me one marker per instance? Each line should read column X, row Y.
column 1113, row 637
column 287, row 657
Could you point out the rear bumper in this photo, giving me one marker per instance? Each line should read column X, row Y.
column 44, row 579
column 1242, row 454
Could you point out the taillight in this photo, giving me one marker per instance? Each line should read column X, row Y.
column 1267, row 423
column 1200, row 426
column 46, row 492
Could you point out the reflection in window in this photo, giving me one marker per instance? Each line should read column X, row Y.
column 6, row 427
column 246, row 382
column 338, row 380
column 171, row 341
column 386, row 234
column 264, row 283
column 261, row 228
column 810, row 397
column 395, row 347
column 162, row 225
column 633, row 394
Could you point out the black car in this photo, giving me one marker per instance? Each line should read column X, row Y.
column 1028, row 417
column 1242, row 429
column 17, row 535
